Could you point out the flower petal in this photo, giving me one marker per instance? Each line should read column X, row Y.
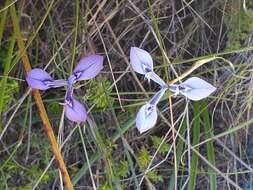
column 75, row 111
column 38, row 78
column 153, row 76
column 88, row 67
column 146, row 117
column 196, row 89
column 56, row 83
column 156, row 98
column 141, row 60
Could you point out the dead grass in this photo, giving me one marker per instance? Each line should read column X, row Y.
column 108, row 152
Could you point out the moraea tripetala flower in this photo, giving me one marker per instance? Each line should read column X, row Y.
column 142, row 63
column 87, row 68
column 193, row 88
column 40, row 79
column 147, row 115
column 74, row 110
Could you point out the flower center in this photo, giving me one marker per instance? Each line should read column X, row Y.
column 49, row 83
column 184, row 88
column 149, row 109
column 69, row 101
column 146, row 68
column 77, row 74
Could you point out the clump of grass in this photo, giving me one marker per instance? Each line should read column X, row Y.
column 99, row 95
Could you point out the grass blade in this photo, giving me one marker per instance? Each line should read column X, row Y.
column 6, row 71
column 2, row 21
column 196, row 137
column 210, row 147
column 98, row 155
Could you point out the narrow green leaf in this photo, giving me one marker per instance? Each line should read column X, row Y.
column 7, row 64
column 3, row 15
column 210, row 147
column 98, row 155
column 196, row 137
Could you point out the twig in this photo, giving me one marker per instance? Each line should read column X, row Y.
column 39, row 103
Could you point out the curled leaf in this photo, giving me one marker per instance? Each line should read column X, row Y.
column 203, row 61
column 74, row 110
column 146, row 117
column 40, row 79
column 87, row 68
column 141, row 61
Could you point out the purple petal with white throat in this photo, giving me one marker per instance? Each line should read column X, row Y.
column 146, row 117
column 141, row 60
column 39, row 79
column 88, row 67
column 74, row 110
column 196, row 89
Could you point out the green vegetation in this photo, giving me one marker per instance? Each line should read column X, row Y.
column 203, row 146
column 239, row 25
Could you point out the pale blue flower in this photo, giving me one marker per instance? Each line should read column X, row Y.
column 193, row 88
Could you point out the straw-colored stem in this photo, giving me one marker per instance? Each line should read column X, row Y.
column 39, row 103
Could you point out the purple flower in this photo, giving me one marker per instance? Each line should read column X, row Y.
column 40, row 79
column 147, row 115
column 142, row 63
column 87, row 68
column 193, row 88
column 74, row 110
